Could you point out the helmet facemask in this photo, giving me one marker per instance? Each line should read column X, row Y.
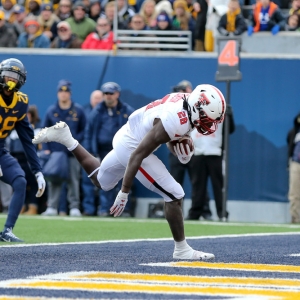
column 12, row 85
column 204, row 124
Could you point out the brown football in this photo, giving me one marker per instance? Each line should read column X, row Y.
column 185, row 140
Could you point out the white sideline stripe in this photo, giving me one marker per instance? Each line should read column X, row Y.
column 297, row 254
column 134, row 220
column 150, row 240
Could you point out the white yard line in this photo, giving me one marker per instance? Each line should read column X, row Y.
column 150, row 240
column 134, row 220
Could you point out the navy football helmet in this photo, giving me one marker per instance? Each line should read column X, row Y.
column 12, row 68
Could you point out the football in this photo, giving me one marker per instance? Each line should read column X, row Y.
column 185, row 140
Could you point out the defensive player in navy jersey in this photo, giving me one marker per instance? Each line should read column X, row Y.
column 13, row 115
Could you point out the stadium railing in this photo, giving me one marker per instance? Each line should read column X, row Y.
column 154, row 39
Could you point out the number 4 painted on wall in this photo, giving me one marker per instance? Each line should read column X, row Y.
column 228, row 55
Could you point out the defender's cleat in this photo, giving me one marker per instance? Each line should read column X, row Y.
column 59, row 133
column 194, row 255
column 8, row 236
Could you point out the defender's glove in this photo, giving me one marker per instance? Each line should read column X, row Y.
column 184, row 156
column 41, row 184
column 119, row 204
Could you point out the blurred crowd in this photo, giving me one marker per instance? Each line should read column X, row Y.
column 88, row 24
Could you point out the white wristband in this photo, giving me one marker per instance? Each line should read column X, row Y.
column 74, row 146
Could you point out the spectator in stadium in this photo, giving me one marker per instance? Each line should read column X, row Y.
column 148, row 12
column 164, row 6
column 178, row 169
column 132, row 156
column 233, row 21
column 63, row 12
column 266, row 16
column 65, row 109
column 33, row 37
column 95, row 98
column 201, row 7
column 125, row 12
column 65, row 38
column 110, row 12
column 33, row 7
column 8, row 37
column 95, row 10
column 46, row 20
column 295, row 9
column 182, row 18
column 207, row 160
column 8, row 9
column 137, row 23
column 293, row 142
column 17, row 151
column 191, row 9
column 103, row 123
column 164, row 23
column 81, row 25
column 88, row 189
column 20, row 19
column 293, row 22
column 102, row 38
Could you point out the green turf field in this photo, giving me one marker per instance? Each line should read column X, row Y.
column 39, row 229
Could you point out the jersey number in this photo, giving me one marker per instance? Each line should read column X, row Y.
column 7, row 125
column 182, row 117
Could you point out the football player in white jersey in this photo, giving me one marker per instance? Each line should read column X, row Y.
column 157, row 123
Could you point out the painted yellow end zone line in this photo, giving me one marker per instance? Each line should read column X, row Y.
column 158, row 289
column 181, row 279
column 230, row 266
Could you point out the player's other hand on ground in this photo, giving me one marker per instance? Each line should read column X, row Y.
column 183, row 152
column 41, row 184
column 119, row 204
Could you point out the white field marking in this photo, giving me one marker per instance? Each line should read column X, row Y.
column 8, row 245
column 214, row 266
column 296, row 254
column 159, row 221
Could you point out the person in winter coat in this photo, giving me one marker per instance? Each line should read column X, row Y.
column 8, row 37
column 102, row 38
column 233, row 21
column 33, row 37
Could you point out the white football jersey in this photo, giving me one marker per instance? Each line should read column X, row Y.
column 169, row 110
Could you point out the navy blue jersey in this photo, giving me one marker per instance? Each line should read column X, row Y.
column 14, row 116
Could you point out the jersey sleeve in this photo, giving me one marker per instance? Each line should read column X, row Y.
column 175, row 124
column 26, row 134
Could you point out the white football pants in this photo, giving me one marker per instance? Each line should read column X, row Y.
column 152, row 173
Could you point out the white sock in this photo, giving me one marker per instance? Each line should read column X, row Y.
column 183, row 250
